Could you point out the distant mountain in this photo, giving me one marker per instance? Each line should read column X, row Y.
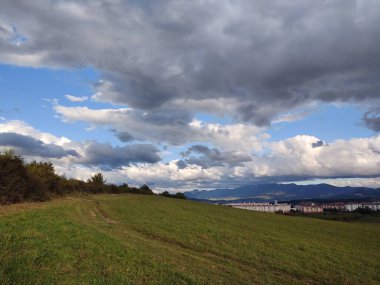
column 266, row 192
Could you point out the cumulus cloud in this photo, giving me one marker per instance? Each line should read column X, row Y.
column 206, row 157
column 288, row 160
column 296, row 158
column 30, row 146
column 109, row 156
column 266, row 58
column 35, row 144
column 174, row 127
column 253, row 62
column 169, row 175
column 299, row 157
column 241, row 151
column 22, row 128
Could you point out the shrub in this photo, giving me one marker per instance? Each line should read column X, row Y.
column 146, row 190
column 15, row 183
column 96, row 184
column 176, row 195
column 180, row 196
column 97, row 179
column 47, row 181
column 38, row 181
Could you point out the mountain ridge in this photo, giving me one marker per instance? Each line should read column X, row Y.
column 267, row 192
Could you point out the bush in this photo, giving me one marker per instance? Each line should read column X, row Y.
column 145, row 190
column 96, row 184
column 15, row 183
column 176, row 195
column 180, row 196
column 97, row 179
column 38, row 181
column 47, row 181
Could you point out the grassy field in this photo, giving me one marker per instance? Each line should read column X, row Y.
column 373, row 217
column 135, row 239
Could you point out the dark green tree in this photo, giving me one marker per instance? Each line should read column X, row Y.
column 180, row 196
column 44, row 175
column 176, row 195
column 97, row 179
column 96, row 184
column 15, row 183
column 146, row 190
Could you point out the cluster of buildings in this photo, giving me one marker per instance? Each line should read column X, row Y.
column 338, row 206
column 263, row 207
column 307, row 207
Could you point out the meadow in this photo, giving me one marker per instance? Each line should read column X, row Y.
column 139, row 239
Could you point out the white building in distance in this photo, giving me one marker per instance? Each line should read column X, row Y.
column 262, row 207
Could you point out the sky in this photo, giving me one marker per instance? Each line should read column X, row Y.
column 185, row 95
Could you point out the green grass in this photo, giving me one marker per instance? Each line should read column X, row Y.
column 134, row 239
column 373, row 217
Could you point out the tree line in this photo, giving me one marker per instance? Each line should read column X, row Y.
column 37, row 181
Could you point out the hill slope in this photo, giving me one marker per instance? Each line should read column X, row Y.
column 130, row 239
column 286, row 192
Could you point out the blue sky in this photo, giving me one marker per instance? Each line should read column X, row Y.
column 184, row 96
column 27, row 94
column 328, row 122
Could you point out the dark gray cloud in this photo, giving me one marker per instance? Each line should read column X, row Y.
column 371, row 119
column 267, row 57
column 198, row 149
column 105, row 155
column 124, row 136
column 181, row 164
column 203, row 156
column 317, row 144
column 31, row 146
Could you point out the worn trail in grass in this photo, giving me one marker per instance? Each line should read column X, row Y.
column 132, row 239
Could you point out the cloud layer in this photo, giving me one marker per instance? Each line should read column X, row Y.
column 296, row 158
column 164, row 64
column 264, row 58
column 32, row 143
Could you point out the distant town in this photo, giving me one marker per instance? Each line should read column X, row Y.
column 307, row 207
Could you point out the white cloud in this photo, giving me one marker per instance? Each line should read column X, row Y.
column 253, row 62
column 176, row 131
column 294, row 157
column 75, row 98
column 63, row 150
column 23, row 128
column 298, row 157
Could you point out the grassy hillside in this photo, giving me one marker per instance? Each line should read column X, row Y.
column 134, row 239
